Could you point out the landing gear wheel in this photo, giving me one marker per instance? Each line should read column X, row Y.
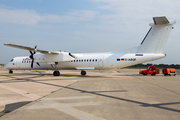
column 10, row 71
column 56, row 73
column 83, row 72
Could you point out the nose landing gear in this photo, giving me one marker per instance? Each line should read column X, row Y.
column 10, row 71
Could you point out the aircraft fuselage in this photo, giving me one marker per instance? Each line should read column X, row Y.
column 96, row 61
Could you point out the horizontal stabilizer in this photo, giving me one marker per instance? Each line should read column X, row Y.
column 160, row 20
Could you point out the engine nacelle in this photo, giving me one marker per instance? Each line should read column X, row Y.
column 51, row 58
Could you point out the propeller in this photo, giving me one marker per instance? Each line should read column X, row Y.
column 31, row 56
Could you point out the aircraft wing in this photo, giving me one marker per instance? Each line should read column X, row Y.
column 31, row 49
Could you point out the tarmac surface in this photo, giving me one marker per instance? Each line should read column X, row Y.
column 110, row 95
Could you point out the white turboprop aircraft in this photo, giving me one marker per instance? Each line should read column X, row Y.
column 150, row 49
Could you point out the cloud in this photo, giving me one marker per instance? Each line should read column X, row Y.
column 119, row 15
column 28, row 17
column 31, row 17
column 71, row 17
column 140, row 8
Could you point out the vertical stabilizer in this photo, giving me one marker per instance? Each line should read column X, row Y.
column 156, row 38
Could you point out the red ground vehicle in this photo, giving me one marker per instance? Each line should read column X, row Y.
column 152, row 70
column 169, row 71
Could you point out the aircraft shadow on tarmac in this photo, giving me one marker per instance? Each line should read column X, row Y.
column 128, row 75
column 13, row 106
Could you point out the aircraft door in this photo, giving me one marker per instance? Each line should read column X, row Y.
column 100, row 61
column 18, row 62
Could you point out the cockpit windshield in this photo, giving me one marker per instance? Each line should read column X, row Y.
column 12, row 60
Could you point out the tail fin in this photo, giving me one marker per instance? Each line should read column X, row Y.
column 156, row 38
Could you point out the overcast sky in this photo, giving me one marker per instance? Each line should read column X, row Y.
column 84, row 25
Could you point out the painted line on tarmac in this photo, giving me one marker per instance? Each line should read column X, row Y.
column 21, row 92
column 67, row 107
column 53, row 104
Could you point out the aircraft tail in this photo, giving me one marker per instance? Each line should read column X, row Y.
column 156, row 38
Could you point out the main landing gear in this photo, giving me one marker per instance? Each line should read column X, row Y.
column 83, row 73
column 56, row 72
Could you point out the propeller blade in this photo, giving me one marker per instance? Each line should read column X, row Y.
column 31, row 52
column 35, row 48
column 38, row 64
column 32, row 63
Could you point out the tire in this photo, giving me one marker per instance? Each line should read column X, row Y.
column 10, row 71
column 56, row 73
column 145, row 73
column 83, row 72
column 153, row 74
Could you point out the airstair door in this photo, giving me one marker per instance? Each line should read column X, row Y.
column 100, row 61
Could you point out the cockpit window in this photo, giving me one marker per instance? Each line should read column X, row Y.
column 12, row 60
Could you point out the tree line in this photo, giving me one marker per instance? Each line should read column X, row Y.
column 161, row 66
